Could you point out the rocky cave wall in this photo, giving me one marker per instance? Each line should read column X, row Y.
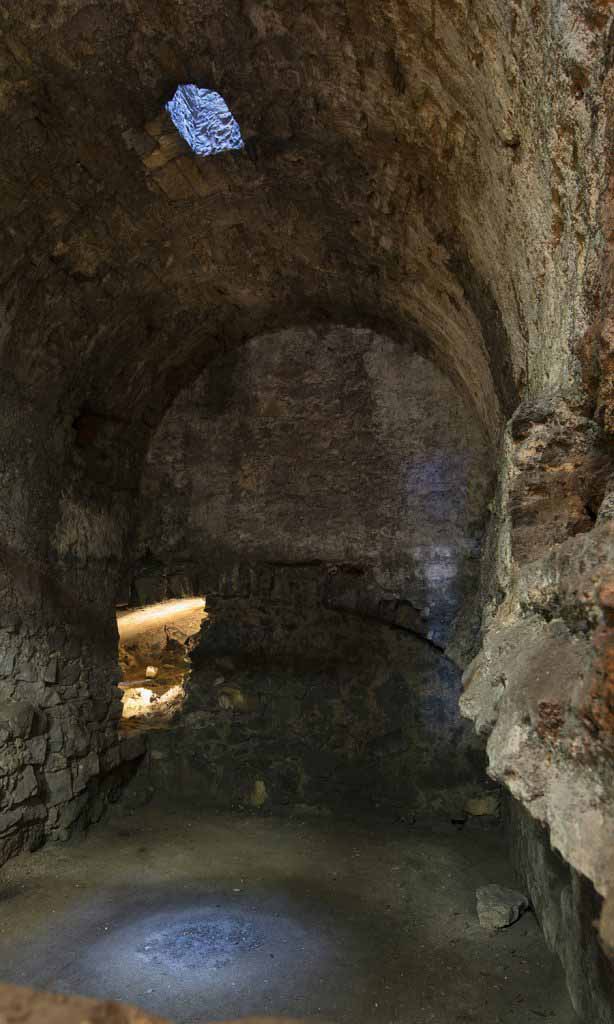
column 327, row 490
column 541, row 687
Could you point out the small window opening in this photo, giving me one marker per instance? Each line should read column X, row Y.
column 203, row 119
column 155, row 643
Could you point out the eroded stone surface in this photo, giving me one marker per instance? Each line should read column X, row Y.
column 541, row 687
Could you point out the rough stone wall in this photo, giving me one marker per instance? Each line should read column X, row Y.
column 327, row 492
column 334, row 445
column 567, row 907
column 541, row 687
column 60, row 754
column 303, row 693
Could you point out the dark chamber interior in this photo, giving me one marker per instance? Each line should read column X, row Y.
column 306, row 574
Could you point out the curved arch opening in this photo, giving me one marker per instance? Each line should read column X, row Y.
column 328, row 488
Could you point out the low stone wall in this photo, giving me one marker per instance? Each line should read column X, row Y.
column 61, row 757
column 567, row 907
column 309, row 690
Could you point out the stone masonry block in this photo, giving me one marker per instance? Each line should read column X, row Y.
column 59, row 786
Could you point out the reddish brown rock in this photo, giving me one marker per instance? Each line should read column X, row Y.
column 24, row 1005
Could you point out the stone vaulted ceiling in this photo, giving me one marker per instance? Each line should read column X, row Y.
column 399, row 172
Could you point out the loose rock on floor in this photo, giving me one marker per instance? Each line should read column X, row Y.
column 499, row 907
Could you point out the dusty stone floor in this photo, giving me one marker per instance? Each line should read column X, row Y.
column 207, row 917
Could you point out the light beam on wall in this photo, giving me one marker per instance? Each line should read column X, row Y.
column 153, row 651
column 130, row 623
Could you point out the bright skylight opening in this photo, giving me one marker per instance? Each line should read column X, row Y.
column 203, row 119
